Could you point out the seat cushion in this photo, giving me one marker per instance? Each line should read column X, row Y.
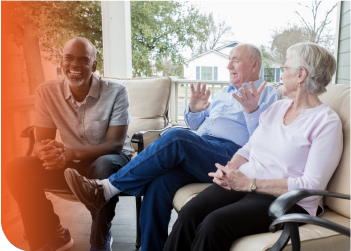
column 312, row 237
column 149, row 100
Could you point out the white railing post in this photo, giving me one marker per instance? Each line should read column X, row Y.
column 172, row 104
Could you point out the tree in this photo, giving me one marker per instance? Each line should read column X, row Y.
column 285, row 37
column 266, row 63
column 161, row 30
column 46, row 26
column 219, row 33
column 318, row 30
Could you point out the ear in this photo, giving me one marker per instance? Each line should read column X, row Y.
column 94, row 66
column 256, row 63
column 302, row 75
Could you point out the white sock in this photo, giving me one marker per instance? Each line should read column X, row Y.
column 109, row 189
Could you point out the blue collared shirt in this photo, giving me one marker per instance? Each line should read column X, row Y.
column 225, row 117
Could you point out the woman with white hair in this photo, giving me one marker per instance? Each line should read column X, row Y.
column 298, row 144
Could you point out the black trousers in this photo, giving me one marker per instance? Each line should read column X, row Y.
column 27, row 178
column 216, row 217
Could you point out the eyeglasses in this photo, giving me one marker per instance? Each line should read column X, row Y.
column 283, row 68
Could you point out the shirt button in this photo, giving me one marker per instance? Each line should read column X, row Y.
column 221, row 113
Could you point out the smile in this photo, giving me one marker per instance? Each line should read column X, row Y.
column 75, row 73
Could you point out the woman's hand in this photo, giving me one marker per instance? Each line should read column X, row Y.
column 230, row 178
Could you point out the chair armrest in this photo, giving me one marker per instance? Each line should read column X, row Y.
column 26, row 133
column 304, row 218
column 138, row 137
column 29, row 133
column 284, row 202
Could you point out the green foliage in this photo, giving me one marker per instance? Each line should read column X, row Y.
column 266, row 63
column 161, row 30
column 59, row 21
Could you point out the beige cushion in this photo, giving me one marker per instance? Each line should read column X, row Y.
column 149, row 100
column 312, row 237
column 338, row 98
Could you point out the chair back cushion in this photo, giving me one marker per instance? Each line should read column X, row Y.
column 149, row 99
column 338, row 99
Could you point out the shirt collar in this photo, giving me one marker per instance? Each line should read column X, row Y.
column 257, row 83
column 94, row 90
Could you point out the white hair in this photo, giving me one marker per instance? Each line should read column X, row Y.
column 254, row 52
column 319, row 63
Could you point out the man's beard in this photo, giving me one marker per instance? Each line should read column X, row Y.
column 73, row 82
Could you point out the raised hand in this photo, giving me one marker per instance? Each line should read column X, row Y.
column 248, row 99
column 199, row 98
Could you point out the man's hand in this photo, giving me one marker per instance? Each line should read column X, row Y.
column 248, row 99
column 230, row 178
column 199, row 98
column 53, row 154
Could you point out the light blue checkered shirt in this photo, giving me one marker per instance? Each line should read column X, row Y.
column 225, row 117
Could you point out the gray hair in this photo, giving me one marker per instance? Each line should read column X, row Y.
column 254, row 52
column 83, row 40
column 319, row 63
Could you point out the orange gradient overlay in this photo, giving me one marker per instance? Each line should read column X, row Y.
column 22, row 70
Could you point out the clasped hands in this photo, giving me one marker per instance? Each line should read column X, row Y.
column 230, row 178
column 53, row 153
column 249, row 99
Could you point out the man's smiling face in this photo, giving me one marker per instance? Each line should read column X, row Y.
column 78, row 62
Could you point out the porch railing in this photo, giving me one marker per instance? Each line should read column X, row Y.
column 180, row 96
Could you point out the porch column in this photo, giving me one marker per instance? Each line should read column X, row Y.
column 116, row 35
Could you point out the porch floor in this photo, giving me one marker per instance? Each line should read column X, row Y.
column 77, row 219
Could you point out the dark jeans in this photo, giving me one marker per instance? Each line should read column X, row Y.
column 216, row 217
column 27, row 178
column 178, row 158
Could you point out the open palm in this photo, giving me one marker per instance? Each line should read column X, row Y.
column 199, row 98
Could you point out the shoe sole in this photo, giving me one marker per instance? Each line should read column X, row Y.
column 72, row 183
column 66, row 246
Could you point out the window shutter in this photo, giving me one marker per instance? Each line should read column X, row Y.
column 197, row 72
column 215, row 73
column 277, row 75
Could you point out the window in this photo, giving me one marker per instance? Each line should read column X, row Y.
column 206, row 73
column 269, row 74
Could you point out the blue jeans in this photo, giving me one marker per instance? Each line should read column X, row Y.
column 178, row 158
column 27, row 178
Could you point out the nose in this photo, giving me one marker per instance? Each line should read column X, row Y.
column 75, row 62
column 230, row 65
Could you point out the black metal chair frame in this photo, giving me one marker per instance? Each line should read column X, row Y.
column 137, row 138
column 278, row 209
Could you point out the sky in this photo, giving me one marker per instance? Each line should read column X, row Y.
column 253, row 21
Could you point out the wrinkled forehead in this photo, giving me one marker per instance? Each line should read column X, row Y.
column 239, row 52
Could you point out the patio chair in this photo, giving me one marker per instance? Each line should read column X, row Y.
column 331, row 231
column 149, row 100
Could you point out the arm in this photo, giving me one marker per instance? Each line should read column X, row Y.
column 116, row 136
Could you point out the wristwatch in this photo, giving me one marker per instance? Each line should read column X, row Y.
column 253, row 185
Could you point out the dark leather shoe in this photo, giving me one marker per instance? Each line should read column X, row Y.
column 88, row 191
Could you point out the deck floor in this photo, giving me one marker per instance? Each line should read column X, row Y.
column 77, row 219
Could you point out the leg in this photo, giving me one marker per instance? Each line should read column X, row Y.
column 102, row 168
column 195, row 211
column 26, row 179
column 157, row 206
column 222, row 227
column 176, row 147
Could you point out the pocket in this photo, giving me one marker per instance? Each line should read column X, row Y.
column 99, row 130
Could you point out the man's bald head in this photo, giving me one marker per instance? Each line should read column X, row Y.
column 83, row 41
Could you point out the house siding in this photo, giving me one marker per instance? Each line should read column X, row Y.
column 343, row 53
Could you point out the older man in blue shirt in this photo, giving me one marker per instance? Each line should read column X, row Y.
column 181, row 157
